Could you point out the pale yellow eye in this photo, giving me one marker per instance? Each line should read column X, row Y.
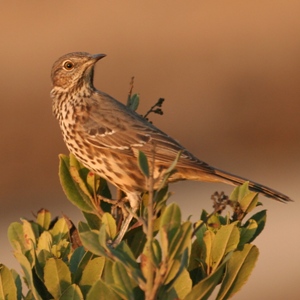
column 68, row 65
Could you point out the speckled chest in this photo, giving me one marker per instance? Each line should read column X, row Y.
column 107, row 163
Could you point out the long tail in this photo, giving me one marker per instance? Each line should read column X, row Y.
column 211, row 174
column 256, row 187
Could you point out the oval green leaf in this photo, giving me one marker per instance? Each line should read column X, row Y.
column 238, row 270
column 57, row 277
column 143, row 163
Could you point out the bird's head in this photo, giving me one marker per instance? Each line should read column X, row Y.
column 74, row 70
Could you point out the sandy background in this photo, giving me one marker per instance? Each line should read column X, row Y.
column 229, row 71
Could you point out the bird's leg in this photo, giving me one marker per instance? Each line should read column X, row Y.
column 134, row 201
column 124, row 228
column 119, row 211
column 119, row 202
column 110, row 201
column 128, row 215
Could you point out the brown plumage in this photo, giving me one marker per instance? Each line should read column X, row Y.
column 105, row 135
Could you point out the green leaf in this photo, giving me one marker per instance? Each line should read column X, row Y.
column 57, row 277
column 110, row 225
column 44, row 242
column 203, row 289
column 61, row 249
column 27, row 270
column 171, row 218
column 30, row 240
column 147, row 258
column 43, row 218
column 101, row 290
column 59, row 231
column 90, row 239
column 204, row 215
column 214, row 222
column 18, row 283
column 136, row 240
column 92, row 182
column 195, row 254
column 108, row 274
column 183, row 284
column 80, row 175
column 78, row 262
column 181, row 240
column 247, row 232
column 93, row 220
column 76, row 258
column 183, row 260
column 104, row 191
column 181, row 287
column 175, row 268
column 176, row 242
column 260, row 219
column 240, row 192
column 91, row 273
column 171, row 170
column 42, row 258
column 122, row 282
column 133, row 102
column 170, row 222
column 199, row 229
column 208, row 239
column 73, row 189
column 125, row 255
column 102, row 236
column 249, row 202
column 73, row 292
column 8, row 290
column 156, row 250
column 40, row 286
column 16, row 237
column 160, row 198
column 225, row 241
column 174, row 163
column 143, row 163
column 238, row 270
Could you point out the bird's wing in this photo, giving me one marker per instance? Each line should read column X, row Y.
column 111, row 125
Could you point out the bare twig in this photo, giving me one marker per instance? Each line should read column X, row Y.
column 156, row 108
column 130, row 89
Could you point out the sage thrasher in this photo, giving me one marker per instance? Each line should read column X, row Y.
column 105, row 135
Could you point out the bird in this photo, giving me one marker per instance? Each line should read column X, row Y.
column 106, row 136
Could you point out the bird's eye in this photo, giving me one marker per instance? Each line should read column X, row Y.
column 68, row 65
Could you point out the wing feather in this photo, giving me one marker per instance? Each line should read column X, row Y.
column 111, row 125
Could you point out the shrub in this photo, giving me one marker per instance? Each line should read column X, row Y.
column 170, row 259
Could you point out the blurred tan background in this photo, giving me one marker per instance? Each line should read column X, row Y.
column 230, row 74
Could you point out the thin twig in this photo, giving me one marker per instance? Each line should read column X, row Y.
column 130, row 89
column 156, row 108
column 150, row 293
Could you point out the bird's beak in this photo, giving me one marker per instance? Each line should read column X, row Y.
column 97, row 57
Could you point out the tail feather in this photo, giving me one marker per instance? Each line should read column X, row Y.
column 256, row 187
column 207, row 173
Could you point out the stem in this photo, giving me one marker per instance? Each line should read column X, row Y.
column 150, row 292
column 157, row 104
